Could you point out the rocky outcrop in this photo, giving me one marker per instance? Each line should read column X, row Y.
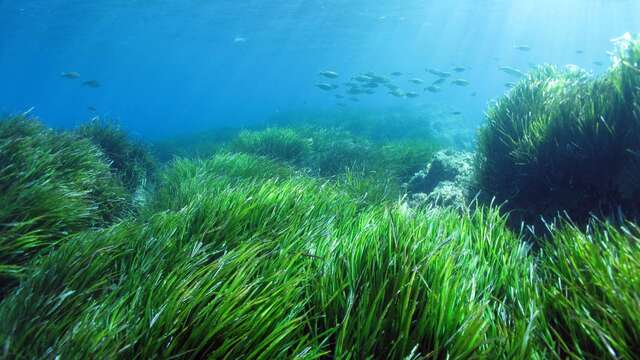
column 446, row 181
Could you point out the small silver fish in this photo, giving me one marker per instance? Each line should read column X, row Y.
column 439, row 73
column 363, row 78
column 460, row 82
column 433, row 89
column 329, row 74
column 377, row 78
column 70, row 75
column 326, row 86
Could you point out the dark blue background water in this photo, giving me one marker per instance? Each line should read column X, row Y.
column 175, row 66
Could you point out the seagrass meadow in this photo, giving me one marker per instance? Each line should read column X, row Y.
column 304, row 237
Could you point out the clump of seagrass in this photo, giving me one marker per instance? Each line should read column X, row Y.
column 276, row 143
column 590, row 290
column 373, row 169
column 51, row 185
column 131, row 160
column 565, row 142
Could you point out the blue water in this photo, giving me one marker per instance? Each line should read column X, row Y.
column 175, row 66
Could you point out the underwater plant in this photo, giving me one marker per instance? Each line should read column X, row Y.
column 182, row 178
column 591, row 286
column 51, row 185
column 427, row 285
column 130, row 160
column 371, row 171
column 335, row 151
column 276, row 143
column 223, row 251
column 403, row 159
column 564, row 142
column 330, row 152
column 368, row 187
column 193, row 299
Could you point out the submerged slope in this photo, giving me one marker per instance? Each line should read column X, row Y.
column 282, row 268
column 237, row 256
